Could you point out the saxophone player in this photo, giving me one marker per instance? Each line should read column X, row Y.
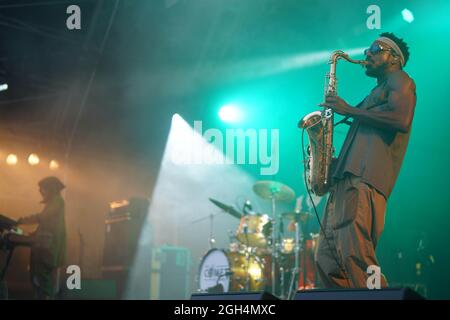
column 367, row 167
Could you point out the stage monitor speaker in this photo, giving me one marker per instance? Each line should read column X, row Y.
column 92, row 289
column 234, row 296
column 171, row 267
column 359, row 294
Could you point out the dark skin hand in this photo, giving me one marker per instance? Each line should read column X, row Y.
column 338, row 105
column 397, row 114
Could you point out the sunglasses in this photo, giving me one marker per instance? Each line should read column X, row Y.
column 376, row 48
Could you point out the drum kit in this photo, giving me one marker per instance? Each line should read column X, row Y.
column 261, row 256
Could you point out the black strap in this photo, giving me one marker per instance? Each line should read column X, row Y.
column 345, row 120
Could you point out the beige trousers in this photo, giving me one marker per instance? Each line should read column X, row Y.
column 353, row 222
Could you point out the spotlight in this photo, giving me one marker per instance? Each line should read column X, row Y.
column 230, row 113
column 407, row 15
column 11, row 159
column 54, row 165
column 3, row 87
column 33, row 159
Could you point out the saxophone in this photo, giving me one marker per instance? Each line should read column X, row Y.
column 319, row 127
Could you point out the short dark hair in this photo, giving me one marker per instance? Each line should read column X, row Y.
column 400, row 43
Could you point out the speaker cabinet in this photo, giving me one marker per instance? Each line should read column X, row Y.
column 125, row 228
column 359, row 294
column 234, row 296
column 170, row 273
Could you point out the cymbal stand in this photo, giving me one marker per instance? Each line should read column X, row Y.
column 211, row 239
column 274, row 242
column 282, row 270
column 296, row 269
column 247, row 257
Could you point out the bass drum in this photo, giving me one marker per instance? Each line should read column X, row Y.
column 223, row 271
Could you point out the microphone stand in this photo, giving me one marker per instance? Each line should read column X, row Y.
column 247, row 253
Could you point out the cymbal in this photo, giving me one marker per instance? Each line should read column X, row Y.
column 301, row 216
column 272, row 189
column 230, row 209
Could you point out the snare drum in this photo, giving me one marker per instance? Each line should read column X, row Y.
column 229, row 269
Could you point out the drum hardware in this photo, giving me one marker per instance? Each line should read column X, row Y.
column 273, row 191
column 282, row 283
column 297, row 216
column 247, row 268
column 301, row 248
column 295, row 271
column 211, row 240
column 247, row 258
column 227, row 208
column 260, row 256
column 248, row 208
column 251, row 230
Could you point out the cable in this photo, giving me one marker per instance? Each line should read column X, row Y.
column 336, row 259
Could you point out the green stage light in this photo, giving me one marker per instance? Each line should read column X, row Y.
column 407, row 15
column 230, row 113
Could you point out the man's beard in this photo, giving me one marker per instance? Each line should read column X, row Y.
column 375, row 72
